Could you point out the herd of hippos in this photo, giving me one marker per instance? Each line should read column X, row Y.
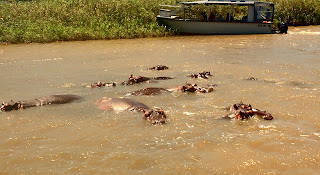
column 154, row 116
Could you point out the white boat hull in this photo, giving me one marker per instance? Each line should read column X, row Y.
column 224, row 28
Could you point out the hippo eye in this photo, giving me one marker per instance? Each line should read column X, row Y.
column 147, row 114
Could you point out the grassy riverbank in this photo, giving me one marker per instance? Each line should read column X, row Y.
column 66, row 20
column 23, row 21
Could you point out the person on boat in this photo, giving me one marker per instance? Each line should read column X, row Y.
column 211, row 17
column 245, row 19
column 269, row 15
column 220, row 19
column 203, row 17
column 229, row 17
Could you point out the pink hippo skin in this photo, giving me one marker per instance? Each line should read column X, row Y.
column 154, row 116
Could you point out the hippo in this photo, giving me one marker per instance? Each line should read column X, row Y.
column 252, row 78
column 148, row 91
column 288, row 83
column 201, row 75
column 159, row 67
column 140, row 79
column 154, row 116
column 52, row 99
column 100, row 84
column 260, row 80
column 245, row 111
column 191, row 88
column 181, row 88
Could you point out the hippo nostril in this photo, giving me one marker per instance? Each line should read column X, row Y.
column 162, row 121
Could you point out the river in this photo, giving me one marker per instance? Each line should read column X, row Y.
column 78, row 138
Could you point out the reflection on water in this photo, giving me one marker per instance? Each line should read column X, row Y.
column 78, row 138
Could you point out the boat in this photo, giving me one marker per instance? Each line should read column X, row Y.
column 259, row 18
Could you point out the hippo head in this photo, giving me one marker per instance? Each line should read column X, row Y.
column 11, row 106
column 268, row 116
column 240, row 105
column 241, row 114
column 155, row 116
column 188, row 87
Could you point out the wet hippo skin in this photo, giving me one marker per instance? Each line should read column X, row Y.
column 159, row 67
column 140, row 79
column 148, row 91
column 181, row 88
column 100, row 84
column 154, row 116
column 201, row 75
column 52, row 99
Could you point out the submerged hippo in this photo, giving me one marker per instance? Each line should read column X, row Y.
column 201, row 75
column 195, row 88
column 154, row 116
column 140, row 79
column 148, row 91
column 52, row 99
column 260, row 80
column 181, row 88
column 245, row 111
column 252, row 78
column 159, row 67
column 188, row 87
column 100, row 84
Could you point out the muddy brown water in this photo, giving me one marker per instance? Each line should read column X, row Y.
column 79, row 138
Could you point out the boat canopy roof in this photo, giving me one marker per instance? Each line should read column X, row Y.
column 223, row 2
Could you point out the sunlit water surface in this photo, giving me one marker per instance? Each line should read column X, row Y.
column 79, row 138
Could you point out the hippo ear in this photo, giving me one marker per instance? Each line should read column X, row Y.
column 2, row 107
column 181, row 88
column 235, row 107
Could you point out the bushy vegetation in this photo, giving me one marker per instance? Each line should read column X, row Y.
column 23, row 21
column 66, row 20
column 298, row 12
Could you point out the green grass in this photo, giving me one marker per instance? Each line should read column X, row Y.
column 67, row 20
column 40, row 21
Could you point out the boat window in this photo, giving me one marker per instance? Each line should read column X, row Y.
column 217, row 12
column 264, row 12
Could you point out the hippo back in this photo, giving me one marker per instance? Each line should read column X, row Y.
column 147, row 91
column 120, row 104
column 58, row 99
